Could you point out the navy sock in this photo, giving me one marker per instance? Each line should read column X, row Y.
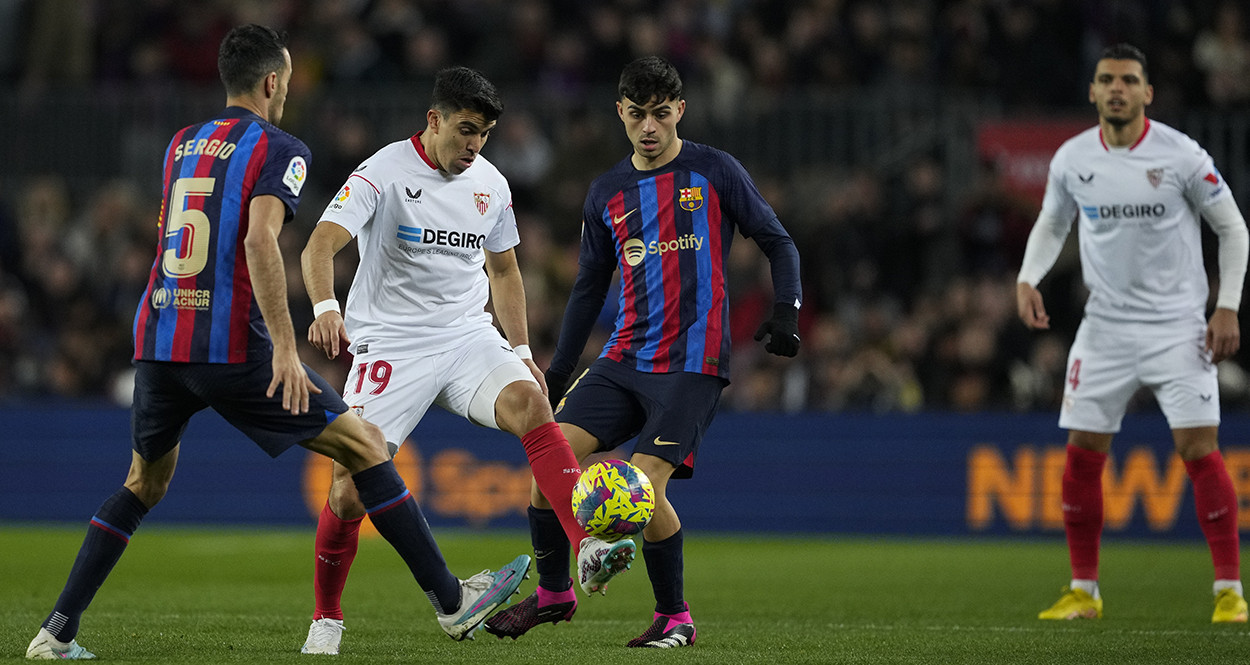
column 395, row 513
column 551, row 549
column 664, row 567
column 107, row 536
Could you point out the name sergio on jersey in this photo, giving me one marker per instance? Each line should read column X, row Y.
column 1125, row 211
column 214, row 148
column 635, row 250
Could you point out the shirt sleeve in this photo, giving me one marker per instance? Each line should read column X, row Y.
column 354, row 204
column 504, row 235
column 1234, row 249
column 751, row 212
column 1051, row 229
column 285, row 171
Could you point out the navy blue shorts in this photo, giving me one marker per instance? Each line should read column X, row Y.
column 168, row 394
column 669, row 413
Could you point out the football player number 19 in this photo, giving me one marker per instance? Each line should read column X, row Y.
column 187, row 229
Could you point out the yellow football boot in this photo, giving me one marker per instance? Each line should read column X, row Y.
column 1074, row 604
column 1230, row 607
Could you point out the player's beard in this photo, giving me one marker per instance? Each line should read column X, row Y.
column 1118, row 121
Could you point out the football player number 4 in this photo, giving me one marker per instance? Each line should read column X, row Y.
column 1074, row 374
column 187, row 229
column 379, row 372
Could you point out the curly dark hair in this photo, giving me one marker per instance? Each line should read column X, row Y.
column 649, row 79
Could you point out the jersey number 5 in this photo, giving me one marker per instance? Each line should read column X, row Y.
column 187, row 230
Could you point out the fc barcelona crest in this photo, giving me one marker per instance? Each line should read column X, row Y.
column 691, row 198
column 1155, row 176
column 482, row 201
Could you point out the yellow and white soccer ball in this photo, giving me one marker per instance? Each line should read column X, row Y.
column 613, row 500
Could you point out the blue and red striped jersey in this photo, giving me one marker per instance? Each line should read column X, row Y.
column 668, row 231
column 198, row 306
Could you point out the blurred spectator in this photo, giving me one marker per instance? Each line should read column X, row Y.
column 1222, row 52
column 856, row 109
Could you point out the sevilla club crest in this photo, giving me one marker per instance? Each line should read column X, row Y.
column 482, row 201
column 1155, row 176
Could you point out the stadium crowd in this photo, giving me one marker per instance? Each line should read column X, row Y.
column 909, row 280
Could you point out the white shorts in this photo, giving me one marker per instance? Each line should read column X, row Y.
column 395, row 393
column 1105, row 368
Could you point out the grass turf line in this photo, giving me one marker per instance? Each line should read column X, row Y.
column 244, row 596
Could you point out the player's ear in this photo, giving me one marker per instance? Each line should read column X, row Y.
column 432, row 118
column 271, row 84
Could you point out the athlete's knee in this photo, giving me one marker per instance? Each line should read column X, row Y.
column 1095, row 441
column 149, row 481
column 521, row 407
column 1196, row 443
column 344, row 499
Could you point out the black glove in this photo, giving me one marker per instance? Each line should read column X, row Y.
column 557, row 384
column 783, row 329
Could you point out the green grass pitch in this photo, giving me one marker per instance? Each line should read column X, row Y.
column 243, row 596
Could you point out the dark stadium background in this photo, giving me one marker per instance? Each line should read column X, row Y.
column 902, row 142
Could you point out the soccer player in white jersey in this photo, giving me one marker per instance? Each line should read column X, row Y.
column 1138, row 189
column 429, row 213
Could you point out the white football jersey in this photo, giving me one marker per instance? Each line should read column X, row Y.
column 1137, row 211
column 421, row 234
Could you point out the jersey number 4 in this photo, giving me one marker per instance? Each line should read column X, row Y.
column 187, row 229
column 1074, row 374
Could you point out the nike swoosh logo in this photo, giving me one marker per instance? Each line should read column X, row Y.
column 618, row 220
column 658, row 442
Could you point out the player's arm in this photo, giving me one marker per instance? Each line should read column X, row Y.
column 783, row 262
column 1045, row 243
column 507, row 292
column 590, row 289
column 266, row 214
column 1223, row 329
column 327, row 331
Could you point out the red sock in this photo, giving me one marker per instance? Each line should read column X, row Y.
column 1082, row 509
column 1216, row 503
column 336, row 544
column 556, row 471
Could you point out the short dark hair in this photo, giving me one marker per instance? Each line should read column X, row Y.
column 1125, row 52
column 461, row 88
column 248, row 54
column 649, row 79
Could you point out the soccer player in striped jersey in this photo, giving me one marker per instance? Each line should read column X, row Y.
column 437, row 238
column 664, row 217
column 1137, row 190
column 213, row 331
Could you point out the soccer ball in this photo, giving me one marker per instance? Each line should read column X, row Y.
column 613, row 499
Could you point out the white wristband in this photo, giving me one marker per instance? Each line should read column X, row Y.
column 523, row 352
column 327, row 305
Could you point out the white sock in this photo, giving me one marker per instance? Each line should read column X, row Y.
column 1088, row 586
column 1220, row 585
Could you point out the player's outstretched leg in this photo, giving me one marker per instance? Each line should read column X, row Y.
column 667, row 631
column 47, row 647
column 482, row 594
column 598, row 562
column 540, row 607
